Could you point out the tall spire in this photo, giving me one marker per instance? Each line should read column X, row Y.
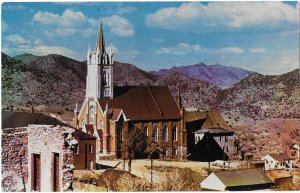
column 100, row 39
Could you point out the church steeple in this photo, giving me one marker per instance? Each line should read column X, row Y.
column 100, row 44
column 100, row 69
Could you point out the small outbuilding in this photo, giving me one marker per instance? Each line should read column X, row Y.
column 280, row 177
column 237, row 180
column 277, row 161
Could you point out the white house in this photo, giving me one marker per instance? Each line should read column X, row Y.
column 277, row 161
column 237, row 180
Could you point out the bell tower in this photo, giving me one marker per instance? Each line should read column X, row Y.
column 99, row 80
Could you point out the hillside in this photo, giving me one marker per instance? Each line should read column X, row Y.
column 131, row 75
column 26, row 58
column 260, row 96
column 222, row 76
column 194, row 93
column 49, row 80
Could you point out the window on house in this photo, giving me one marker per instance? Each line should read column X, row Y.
column 100, row 124
column 174, row 133
column 83, row 123
column 155, row 134
column 76, row 149
column 227, row 149
column 165, row 133
column 225, row 138
column 90, row 148
column 220, row 138
column 146, row 131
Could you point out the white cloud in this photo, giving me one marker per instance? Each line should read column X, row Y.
column 40, row 50
column 231, row 50
column 125, row 10
column 180, row 49
column 232, row 15
column 68, row 18
column 184, row 48
column 278, row 62
column 17, row 39
column 257, row 50
column 119, row 26
column 290, row 33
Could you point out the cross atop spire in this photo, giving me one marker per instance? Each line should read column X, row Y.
column 100, row 45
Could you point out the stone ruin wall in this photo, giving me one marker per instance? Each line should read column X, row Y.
column 14, row 160
column 17, row 147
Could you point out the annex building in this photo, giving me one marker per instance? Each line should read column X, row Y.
column 109, row 112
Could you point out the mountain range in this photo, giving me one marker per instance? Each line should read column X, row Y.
column 222, row 76
column 56, row 80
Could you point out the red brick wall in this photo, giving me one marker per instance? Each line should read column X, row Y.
column 80, row 160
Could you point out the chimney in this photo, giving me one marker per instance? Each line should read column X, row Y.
column 32, row 109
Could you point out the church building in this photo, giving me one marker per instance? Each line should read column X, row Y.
column 109, row 111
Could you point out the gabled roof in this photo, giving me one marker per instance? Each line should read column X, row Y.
column 89, row 128
column 215, row 131
column 209, row 119
column 281, row 157
column 144, row 103
column 243, row 177
column 82, row 135
column 12, row 119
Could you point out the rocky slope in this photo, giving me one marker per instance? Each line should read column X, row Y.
column 222, row 76
column 260, row 96
column 26, row 58
column 194, row 93
column 51, row 80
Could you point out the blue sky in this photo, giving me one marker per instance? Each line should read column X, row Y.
column 257, row 36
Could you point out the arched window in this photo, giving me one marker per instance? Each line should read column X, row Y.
column 174, row 133
column 155, row 134
column 92, row 114
column 165, row 133
column 100, row 124
column 83, row 123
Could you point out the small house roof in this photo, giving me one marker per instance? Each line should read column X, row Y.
column 243, row 177
column 12, row 119
column 278, row 174
column 209, row 120
column 281, row 157
column 89, row 128
column 82, row 135
column 214, row 131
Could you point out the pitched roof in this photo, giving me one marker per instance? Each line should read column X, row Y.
column 243, row 177
column 82, row 135
column 115, row 114
column 277, row 174
column 210, row 119
column 144, row 103
column 12, row 119
column 281, row 157
column 215, row 131
column 89, row 128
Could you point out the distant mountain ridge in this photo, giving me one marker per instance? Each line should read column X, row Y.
column 220, row 75
column 58, row 80
column 26, row 58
